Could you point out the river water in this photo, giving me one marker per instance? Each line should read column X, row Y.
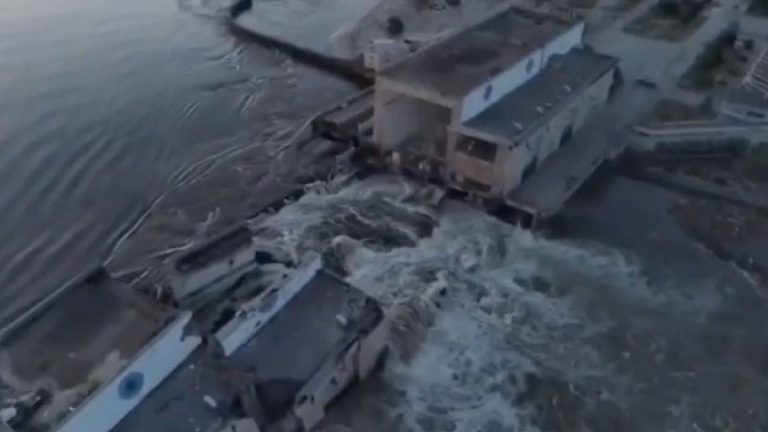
column 104, row 105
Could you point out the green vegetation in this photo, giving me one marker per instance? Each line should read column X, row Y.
column 682, row 10
column 672, row 20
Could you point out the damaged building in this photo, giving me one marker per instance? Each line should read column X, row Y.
column 277, row 364
column 247, row 344
column 484, row 110
column 74, row 367
column 211, row 266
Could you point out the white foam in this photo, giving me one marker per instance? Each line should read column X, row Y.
column 490, row 328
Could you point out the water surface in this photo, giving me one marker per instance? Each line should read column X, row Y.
column 104, row 106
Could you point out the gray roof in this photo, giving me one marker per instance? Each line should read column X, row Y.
column 291, row 347
column 280, row 358
column 518, row 113
column 453, row 67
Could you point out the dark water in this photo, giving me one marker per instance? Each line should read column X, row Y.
column 105, row 104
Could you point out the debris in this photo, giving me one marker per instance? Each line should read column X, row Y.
column 210, row 401
column 342, row 320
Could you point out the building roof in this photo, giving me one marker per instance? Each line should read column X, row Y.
column 453, row 67
column 518, row 113
column 309, row 321
column 307, row 325
column 81, row 341
column 221, row 246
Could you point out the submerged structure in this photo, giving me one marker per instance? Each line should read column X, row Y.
column 89, row 357
column 211, row 266
column 246, row 343
column 277, row 364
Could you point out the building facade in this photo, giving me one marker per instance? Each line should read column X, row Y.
column 482, row 109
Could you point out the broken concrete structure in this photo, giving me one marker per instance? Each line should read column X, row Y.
column 212, row 265
column 335, row 328
column 482, row 110
column 89, row 357
column 278, row 362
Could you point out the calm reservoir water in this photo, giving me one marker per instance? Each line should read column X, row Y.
column 104, row 104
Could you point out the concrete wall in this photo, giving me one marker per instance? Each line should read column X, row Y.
column 500, row 85
column 744, row 112
column 188, row 283
column 104, row 410
column 467, row 167
column 699, row 137
column 481, row 98
column 398, row 117
column 563, row 43
column 546, row 139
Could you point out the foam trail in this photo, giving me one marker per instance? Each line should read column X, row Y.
column 482, row 313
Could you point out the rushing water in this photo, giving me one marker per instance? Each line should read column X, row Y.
column 498, row 329
column 104, row 105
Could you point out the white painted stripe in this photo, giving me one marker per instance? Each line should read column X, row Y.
column 251, row 317
column 106, row 407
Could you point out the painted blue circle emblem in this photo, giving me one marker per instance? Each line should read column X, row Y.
column 131, row 385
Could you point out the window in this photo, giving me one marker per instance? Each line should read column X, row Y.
column 529, row 169
column 478, row 149
column 565, row 138
column 488, row 92
column 131, row 385
column 529, row 66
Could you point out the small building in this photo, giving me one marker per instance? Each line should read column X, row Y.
column 87, row 358
column 212, row 265
column 335, row 327
column 276, row 364
column 483, row 109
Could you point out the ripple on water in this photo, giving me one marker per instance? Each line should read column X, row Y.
column 107, row 105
